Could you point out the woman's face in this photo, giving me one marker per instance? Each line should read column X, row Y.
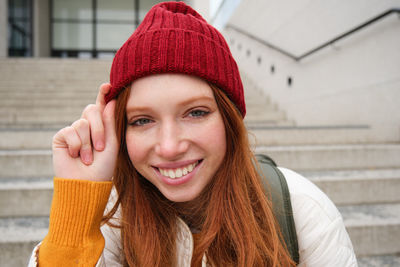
column 175, row 134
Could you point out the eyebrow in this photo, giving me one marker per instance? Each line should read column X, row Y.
column 183, row 103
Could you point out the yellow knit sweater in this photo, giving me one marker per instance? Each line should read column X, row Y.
column 74, row 237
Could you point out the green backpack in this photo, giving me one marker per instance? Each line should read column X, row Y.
column 275, row 184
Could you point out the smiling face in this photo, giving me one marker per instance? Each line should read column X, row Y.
column 175, row 134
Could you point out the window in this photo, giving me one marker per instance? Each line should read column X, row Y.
column 94, row 28
column 20, row 28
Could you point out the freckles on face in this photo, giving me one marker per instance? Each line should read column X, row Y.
column 175, row 135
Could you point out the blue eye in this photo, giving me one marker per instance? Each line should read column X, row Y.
column 141, row 122
column 198, row 113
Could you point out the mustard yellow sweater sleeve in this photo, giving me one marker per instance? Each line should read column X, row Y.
column 74, row 237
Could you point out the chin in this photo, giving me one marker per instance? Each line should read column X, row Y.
column 184, row 197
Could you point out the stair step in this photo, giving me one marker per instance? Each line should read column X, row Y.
column 50, row 94
column 266, row 116
column 43, row 110
column 18, row 238
column 26, row 139
column 26, row 163
column 260, row 107
column 355, row 187
column 311, row 135
column 334, row 157
column 40, row 117
column 41, row 125
column 52, row 64
column 25, row 197
column 373, row 229
column 76, row 102
column 271, row 123
column 29, row 85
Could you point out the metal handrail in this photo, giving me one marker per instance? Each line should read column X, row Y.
column 312, row 51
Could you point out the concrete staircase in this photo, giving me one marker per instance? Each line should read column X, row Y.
column 37, row 98
column 361, row 177
column 47, row 93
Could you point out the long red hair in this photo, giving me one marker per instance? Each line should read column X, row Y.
column 233, row 215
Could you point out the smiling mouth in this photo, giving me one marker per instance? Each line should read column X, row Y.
column 178, row 172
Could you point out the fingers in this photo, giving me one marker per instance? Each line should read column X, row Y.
column 68, row 138
column 76, row 139
column 93, row 115
column 83, row 143
column 82, row 129
column 109, row 123
column 100, row 100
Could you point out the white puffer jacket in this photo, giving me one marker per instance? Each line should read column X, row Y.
column 322, row 238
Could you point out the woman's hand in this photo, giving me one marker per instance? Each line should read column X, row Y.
column 88, row 148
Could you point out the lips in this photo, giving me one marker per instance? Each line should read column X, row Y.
column 174, row 173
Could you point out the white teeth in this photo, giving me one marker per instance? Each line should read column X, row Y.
column 179, row 172
column 190, row 167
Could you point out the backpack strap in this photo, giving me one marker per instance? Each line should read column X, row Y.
column 276, row 187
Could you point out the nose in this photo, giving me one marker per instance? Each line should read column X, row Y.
column 171, row 143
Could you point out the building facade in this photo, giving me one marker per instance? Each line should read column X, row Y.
column 74, row 28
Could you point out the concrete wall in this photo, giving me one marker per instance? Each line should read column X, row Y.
column 201, row 6
column 354, row 82
column 41, row 28
column 3, row 29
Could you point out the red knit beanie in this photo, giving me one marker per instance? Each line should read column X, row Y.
column 175, row 38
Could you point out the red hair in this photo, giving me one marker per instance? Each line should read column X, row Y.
column 233, row 214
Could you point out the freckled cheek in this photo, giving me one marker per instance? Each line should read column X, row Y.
column 211, row 136
column 137, row 147
column 217, row 139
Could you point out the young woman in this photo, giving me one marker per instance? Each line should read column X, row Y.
column 168, row 134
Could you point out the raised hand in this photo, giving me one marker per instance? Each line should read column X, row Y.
column 88, row 148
